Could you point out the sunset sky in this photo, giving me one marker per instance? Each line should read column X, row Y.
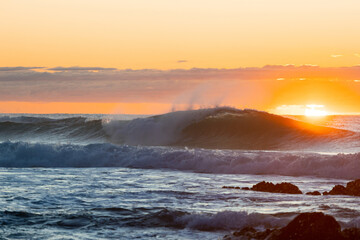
column 154, row 56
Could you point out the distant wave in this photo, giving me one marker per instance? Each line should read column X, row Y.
column 215, row 128
column 20, row 154
column 35, row 129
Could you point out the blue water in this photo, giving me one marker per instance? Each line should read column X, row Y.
column 123, row 203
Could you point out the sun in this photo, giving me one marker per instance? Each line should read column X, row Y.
column 312, row 111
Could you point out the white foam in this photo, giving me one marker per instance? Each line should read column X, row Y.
column 230, row 220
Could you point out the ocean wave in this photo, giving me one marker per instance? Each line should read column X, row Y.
column 157, row 217
column 226, row 220
column 215, row 128
column 225, row 128
column 34, row 129
column 20, row 154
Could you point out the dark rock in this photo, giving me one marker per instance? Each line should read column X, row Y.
column 352, row 188
column 231, row 187
column 313, row 193
column 276, row 188
column 245, row 188
column 306, row 226
column 246, row 232
column 265, row 234
column 326, row 193
column 251, row 233
column 351, row 233
column 311, row 226
column 338, row 190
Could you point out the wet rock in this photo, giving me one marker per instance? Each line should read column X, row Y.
column 351, row 233
column 283, row 187
column 338, row 190
column 248, row 233
column 313, row 193
column 352, row 188
column 306, row 226
column 245, row 188
column 231, row 187
column 311, row 226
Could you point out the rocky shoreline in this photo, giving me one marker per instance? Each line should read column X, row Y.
column 306, row 226
column 352, row 188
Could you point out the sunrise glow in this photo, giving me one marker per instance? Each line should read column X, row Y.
column 148, row 56
column 313, row 110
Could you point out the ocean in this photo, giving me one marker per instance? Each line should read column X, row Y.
column 160, row 177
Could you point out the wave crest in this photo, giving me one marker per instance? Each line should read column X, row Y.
column 223, row 128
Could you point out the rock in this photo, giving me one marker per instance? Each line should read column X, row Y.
column 245, row 232
column 245, row 188
column 313, row 193
column 248, row 233
column 352, row 188
column 283, row 187
column 351, row 233
column 305, row 226
column 231, row 187
column 338, row 190
column 311, row 226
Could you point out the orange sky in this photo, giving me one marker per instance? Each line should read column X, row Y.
column 172, row 35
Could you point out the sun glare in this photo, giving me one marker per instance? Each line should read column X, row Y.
column 312, row 110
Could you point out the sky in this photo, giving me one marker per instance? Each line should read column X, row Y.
column 154, row 56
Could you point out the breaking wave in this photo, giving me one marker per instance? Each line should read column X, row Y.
column 215, row 128
column 21, row 154
column 224, row 128
column 35, row 129
column 141, row 217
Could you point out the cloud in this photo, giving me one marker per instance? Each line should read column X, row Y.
column 6, row 69
column 191, row 86
column 81, row 69
column 336, row 55
column 357, row 54
column 182, row 61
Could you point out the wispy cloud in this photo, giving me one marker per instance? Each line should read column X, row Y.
column 336, row 55
column 7, row 69
column 81, row 69
column 111, row 85
column 182, row 61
